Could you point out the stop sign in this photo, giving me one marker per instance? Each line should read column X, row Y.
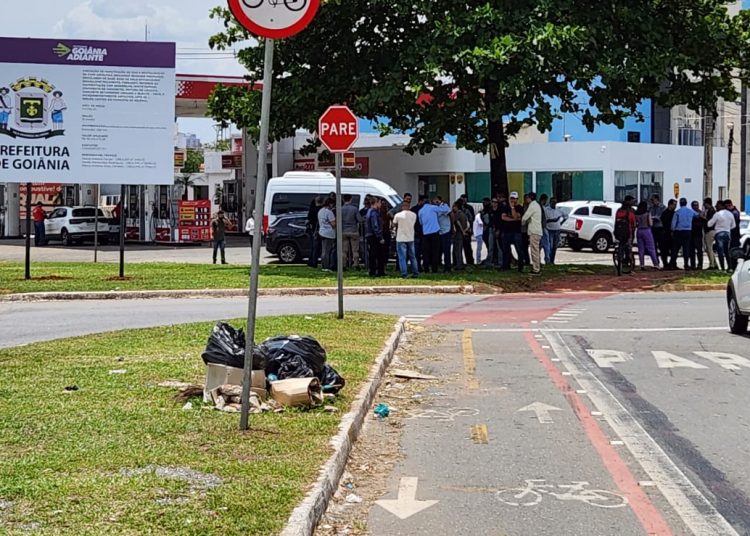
column 338, row 129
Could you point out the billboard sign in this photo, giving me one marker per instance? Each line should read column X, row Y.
column 80, row 111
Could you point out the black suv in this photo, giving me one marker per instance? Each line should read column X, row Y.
column 289, row 238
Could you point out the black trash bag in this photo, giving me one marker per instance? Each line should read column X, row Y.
column 331, row 380
column 293, row 367
column 279, row 349
column 226, row 346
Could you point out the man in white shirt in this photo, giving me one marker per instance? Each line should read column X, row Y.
column 327, row 232
column 404, row 222
column 722, row 223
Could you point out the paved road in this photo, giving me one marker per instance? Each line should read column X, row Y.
column 22, row 323
column 641, row 396
column 237, row 252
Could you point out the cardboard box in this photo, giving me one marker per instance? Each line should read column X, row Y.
column 297, row 392
column 218, row 375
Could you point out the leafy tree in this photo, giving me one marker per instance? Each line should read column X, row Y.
column 481, row 69
column 193, row 161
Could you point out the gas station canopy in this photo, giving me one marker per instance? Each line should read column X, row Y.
column 193, row 90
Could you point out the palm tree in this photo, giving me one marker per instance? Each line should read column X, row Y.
column 184, row 181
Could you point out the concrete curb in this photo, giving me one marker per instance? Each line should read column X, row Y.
column 307, row 514
column 234, row 293
column 698, row 287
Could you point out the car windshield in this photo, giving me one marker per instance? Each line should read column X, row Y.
column 86, row 213
column 744, row 224
column 394, row 200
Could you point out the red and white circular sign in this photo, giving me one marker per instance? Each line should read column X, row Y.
column 274, row 19
column 338, row 129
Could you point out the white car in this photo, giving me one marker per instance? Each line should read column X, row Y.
column 589, row 224
column 744, row 230
column 71, row 224
column 738, row 291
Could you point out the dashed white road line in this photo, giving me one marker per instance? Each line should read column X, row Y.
column 696, row 511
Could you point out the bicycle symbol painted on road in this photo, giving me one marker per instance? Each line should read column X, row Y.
column 532, row 494
column 443, row 416
column 291, row 5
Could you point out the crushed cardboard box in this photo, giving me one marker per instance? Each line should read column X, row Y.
column 218, row 375
column 297, row 392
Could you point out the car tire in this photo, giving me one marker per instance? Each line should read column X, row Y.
column 65, row 238
column 601, row 242
column 737, row 320
column 575, row 244
column 289, row 253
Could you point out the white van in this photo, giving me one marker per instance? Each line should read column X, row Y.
column 295, row 191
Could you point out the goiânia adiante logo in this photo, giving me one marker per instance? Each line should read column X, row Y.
column 80, row 52
column 61, row 50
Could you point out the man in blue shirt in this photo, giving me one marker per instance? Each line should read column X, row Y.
column 376, row 253
column 428, row 219
column 446, row 236
column 682, row 227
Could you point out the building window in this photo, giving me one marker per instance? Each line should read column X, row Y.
column 690, row 136
column 571, row 185
column 652, row 182
column 634, row 136
column 626, row 183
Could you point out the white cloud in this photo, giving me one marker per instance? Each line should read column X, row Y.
column 121, row 10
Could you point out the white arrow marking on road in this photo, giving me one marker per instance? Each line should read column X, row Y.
column 542, row 411
column 406, row 505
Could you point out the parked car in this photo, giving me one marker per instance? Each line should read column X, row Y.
column 288, row 238
column 744, row 230
column 589, row 224
column 738, row 291
column 73, row 224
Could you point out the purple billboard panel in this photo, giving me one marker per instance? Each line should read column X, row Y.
column 87, row 52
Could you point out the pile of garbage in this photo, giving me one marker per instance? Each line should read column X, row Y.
column 286, row 371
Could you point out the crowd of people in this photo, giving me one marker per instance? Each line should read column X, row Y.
column 666, row 233
column 432, row 236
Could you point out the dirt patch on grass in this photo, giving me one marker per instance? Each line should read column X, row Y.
column 635, row 282
column 48, row 278
column 118, row 278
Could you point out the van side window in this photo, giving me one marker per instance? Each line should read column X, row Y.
column 583, row 211
column 284, row 203
column 602, row 211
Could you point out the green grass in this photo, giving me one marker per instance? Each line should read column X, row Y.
column 704, row 277
column 58, row 276
column 62, row 453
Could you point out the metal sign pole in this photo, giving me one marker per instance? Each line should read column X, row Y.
column 339, row 237
column 260, row 195
column 96, row 225
column 27, row 273
column 123, row 193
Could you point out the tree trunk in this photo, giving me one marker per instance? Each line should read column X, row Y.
column 708, row 153
column 496, row 144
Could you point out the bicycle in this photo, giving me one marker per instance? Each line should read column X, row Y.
column 622, row 257
column 532, row 494
column 291, row 5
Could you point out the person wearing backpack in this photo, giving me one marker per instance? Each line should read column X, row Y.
column 625, row 224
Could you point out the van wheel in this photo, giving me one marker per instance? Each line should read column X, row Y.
column 289, row 253
column 601, row 242
column 737, row 321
